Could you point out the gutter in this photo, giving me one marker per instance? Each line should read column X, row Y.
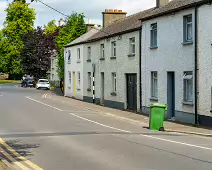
column 140, row 55
column 196, row 67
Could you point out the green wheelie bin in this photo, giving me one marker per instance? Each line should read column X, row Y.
column 157, row 115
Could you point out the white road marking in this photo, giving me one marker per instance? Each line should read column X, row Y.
column 121, row 130
column 44, row 104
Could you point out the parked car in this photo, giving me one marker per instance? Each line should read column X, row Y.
column 28, row 83
column 43, row 83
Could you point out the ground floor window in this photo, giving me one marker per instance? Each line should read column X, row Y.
column 78, row 80
column 89, row 80
column 188, row 86
column 69, row 79
column 154, row 84
column 114, row 81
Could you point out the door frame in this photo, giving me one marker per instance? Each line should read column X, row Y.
column 127, row 91
column 171, row 103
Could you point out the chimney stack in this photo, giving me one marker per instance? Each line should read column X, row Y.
column 89, row 25
column 160, row 3
column 111, row 15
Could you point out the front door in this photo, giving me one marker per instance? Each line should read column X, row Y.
column 102, row 88
column 171, row 95
column 132, row 91
column 75, row 84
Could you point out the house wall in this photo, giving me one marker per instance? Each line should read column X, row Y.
column 74, row 66
column 205, row 64
column 170, row 56
column 122, row 65
column 54, row 76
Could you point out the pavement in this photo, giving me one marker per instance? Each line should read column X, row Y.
column 41, row 130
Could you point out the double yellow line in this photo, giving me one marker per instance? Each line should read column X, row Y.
column 23, row 164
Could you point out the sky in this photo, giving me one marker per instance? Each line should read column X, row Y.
column 92, row 9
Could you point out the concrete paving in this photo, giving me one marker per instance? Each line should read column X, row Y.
column 54, row 133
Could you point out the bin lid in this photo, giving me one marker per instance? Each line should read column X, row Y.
column 159, row 105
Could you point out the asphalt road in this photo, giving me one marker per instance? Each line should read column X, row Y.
column 54, row 135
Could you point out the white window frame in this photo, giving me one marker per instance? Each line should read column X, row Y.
column 114, row 81
column 89, row 80
column 69, row 56
column 154, row 35
column 69, row 79
column 132, row 46
column 154, row 85
column 78, row 54
column 114, row 51
column 186, row 26
column 188, row 83
column 89, row 53
column 102, row 51
column 78, row 80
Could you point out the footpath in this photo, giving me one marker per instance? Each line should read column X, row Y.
column 170, row 126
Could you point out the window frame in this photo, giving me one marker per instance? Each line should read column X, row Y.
column 78, row 54
column 186, row 28
column 89, row 53
column 89, row 80
column 132, row 46
column 102, row 50
column 114, row 81
column 78, row 80
column 69, row 79
column 153, row 31
column 154, row 85
column 114, row 49
column 188, row 80
column 69, row 56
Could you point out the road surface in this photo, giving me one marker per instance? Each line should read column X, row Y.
column 39, row 132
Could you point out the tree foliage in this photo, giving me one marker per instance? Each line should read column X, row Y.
column 19, row 21
column 74, row 28
column 51, row 27
column 37, row 52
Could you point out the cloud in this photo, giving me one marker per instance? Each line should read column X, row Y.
column 92, row 9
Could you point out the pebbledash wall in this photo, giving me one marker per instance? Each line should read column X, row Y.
column 122, row 65
column 74, row 66
column 170, row 56
column 205, row 64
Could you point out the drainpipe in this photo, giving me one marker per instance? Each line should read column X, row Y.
column 196, row 67
column 140, row 88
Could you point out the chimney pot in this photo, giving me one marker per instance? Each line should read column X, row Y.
column 111, row 10
column 106, row 10
column 120, row 10
column 116, row 10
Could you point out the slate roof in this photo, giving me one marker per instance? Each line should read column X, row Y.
column 173, row 6
column 82, row 39
column 125, row 25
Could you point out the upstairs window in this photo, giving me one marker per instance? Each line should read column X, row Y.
column 89, row 53
column 132, row 46
column 78, row 54
column 102, row 51
column 153, row 34
column 69, row 56
column 188, row 28
column 114, row 49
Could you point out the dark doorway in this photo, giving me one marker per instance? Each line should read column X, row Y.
column 102, row 88
column 132, row 91
column 171, row 94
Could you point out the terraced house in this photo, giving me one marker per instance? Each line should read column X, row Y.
column 176, row 59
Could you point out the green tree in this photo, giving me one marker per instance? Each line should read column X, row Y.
column 19, row 21
column 74, row 28
column 50, row 28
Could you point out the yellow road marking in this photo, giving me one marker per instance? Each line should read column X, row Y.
column 13, row 160
column 19, row 156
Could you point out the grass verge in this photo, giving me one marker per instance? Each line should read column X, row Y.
column 9, row 81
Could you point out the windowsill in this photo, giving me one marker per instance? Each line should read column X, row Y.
column 88, row 60
column 89, row 89
column 69, row 62
column 131, row 55
column 78, row 89
column 187, row 43
column 154, row 99
column 78, row 61
column 154, row 47
column 113, row 94
column 102, row 58
column 188, row 103
column 112, row 58
column 69, row 87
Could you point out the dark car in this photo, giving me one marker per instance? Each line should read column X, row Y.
column 28, row 83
